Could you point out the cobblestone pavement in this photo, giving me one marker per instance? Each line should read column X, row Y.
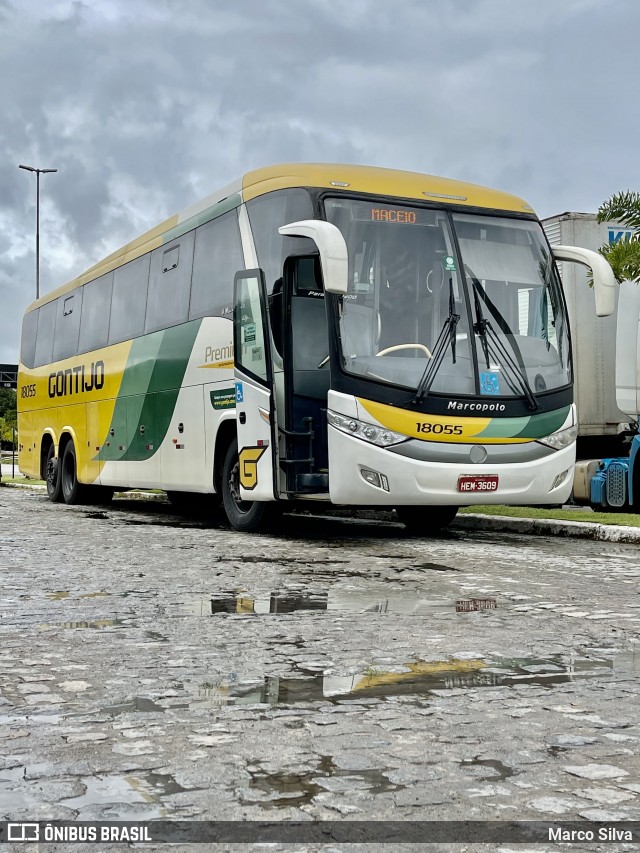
column 154, row 666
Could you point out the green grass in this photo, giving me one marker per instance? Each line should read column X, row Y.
column 624, row 518
column 23, row 480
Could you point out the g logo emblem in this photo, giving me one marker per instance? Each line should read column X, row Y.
column 249, row 458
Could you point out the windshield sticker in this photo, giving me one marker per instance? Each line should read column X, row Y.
column 489, row 383
column 449, row 263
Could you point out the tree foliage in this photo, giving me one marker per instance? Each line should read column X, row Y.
column 8, row 405
column 624, row 255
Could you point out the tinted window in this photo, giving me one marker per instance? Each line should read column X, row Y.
column 266, row 214
column 28, row 341
column 96, row 309
column 65, row 342
column 169, row 283
column 129, row 300
column 217, row 258
column 46, row 328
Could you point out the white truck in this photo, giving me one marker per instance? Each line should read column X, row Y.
column 605, row 353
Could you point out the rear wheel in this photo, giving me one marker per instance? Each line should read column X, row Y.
column 426, row 520
column 71, row 488
column 52, row 476
column 246, row 516
column 73, row 491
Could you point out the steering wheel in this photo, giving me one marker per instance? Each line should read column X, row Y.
column 397, row 347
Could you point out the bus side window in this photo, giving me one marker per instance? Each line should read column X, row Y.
column 216, row 259
column 46, row 328
column 129, row 300
column 96, row 310
column 65, row 342
column 169, row 284
column 266, row 214
column 28, row 340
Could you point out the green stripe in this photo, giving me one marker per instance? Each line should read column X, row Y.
column 532, row 426
column 150, row 385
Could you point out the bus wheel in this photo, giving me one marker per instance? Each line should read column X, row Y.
column 426, row 520
column 246, row 516
column 52, row 476
column 72, row 490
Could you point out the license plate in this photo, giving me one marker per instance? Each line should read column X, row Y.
column 478, row 483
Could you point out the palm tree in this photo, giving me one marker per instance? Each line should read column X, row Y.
column 624, row 256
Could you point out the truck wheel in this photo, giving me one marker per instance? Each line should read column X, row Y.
column 52, row 476
column 426, row 520
column 246, row 516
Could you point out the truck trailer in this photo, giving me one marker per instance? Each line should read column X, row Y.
column 605, row 358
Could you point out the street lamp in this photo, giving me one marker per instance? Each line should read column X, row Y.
column 38, row 173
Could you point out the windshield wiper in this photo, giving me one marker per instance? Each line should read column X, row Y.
column 493, row 345
column 446, row 339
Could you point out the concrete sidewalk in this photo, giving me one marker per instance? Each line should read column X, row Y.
column 548, row 527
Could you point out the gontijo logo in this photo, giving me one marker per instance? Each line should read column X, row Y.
column 76, row 380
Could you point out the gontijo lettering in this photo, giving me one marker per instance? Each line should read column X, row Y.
column 76, row 380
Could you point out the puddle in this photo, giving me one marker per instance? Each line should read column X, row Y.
column 286, row 790
column 138, row 703
column 106, row 790
column 96, row 624
column 414, row 678
column 499, row 770
column 336, row 600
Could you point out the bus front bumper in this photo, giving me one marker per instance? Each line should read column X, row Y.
column 367, row 475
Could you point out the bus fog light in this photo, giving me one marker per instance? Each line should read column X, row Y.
column 375, row 479
column 559, row 480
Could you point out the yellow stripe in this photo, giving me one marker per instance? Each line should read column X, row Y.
column 444, row 428
column 40, row 412
column 219, row 364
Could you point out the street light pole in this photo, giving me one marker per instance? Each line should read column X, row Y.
column 38, row 172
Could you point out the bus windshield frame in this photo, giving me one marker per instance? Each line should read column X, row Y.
column 450, row 302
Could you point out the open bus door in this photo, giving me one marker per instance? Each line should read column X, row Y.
column 255, row 404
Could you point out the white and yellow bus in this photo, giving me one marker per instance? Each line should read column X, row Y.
column 354, row 335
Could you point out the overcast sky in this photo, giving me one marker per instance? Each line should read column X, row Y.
column 145, row 106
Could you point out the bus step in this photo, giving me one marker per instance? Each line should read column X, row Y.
column 315, row 482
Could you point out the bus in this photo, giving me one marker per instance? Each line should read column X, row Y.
column 358, row 336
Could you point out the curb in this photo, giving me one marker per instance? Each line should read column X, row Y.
column 484, row 523
column 547, row 527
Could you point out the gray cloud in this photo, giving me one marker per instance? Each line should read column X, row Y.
column 146, row 107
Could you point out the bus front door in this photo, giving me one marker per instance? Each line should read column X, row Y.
column 255, row 404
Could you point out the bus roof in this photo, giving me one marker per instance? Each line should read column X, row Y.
column 332, row 176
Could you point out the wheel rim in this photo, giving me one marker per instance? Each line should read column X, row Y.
column 52, row 473
column 234, row 490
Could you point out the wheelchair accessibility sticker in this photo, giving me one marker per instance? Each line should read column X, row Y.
column 239, row 393
column 489, row 383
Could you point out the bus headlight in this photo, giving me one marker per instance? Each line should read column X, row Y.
column 367, row 432
column 560, row 439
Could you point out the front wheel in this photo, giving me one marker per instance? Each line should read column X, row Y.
column 426, row 520
column 245, row 516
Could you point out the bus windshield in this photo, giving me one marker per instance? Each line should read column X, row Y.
column 406, row 315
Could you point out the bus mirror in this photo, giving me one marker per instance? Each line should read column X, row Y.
column 604, row 281
column 332, row 248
